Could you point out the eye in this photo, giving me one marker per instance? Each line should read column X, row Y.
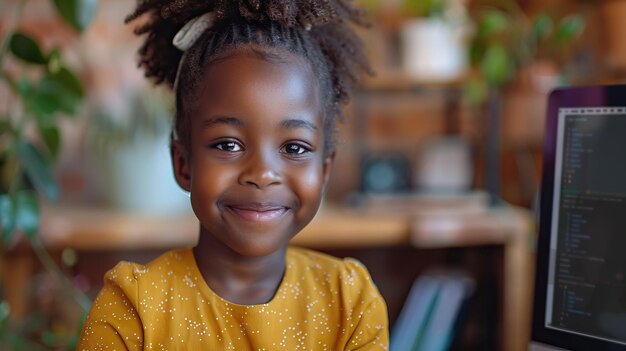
column 295, row 149
column 230, row 146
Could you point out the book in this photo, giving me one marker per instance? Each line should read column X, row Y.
column 428, row 319
column 454, row 290
column 415, row 313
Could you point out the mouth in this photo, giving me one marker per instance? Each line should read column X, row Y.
column 257, row 212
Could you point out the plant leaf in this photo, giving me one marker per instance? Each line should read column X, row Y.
column 4, row 126
column 7, row 217
column 69, row 82
column 569, row 28
column 27, row 49
column 542, row 26
column 52, row 88
column 27, row 215
column 41, row 104
column 424, row 8
column 77, row 13
column 49, row 338
column 52, row 139
column 54, row 61
column 492, row 23
column 8, row 169
column 72, row 343
column 38, row 170
column 4, row 311
column 476, row 50
column 496, row 65
column 55, row 92
column 13, row 341
column 61, row 90
column 23, row 86
column 476, row 91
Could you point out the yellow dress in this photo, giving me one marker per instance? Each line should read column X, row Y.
column 322, row 303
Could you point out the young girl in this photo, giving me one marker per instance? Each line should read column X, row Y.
column 258, row 88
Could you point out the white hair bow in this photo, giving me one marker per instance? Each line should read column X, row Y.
column 192, row 30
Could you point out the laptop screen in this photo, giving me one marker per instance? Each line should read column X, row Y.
column 585, row 292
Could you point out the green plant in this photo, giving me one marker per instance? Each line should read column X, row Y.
column 506, row 40
column 425, row 8
column 150, row 113
column 42, row 89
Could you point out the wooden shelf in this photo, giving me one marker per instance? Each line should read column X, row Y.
column 94, row 228
column 421, row 221
column 397, row 80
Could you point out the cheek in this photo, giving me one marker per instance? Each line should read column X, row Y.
column 311, row 181
column 208, row 181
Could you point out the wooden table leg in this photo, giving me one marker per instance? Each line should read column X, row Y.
column 519, row 283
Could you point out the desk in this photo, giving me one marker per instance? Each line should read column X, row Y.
column 106, row 229
column 88, row 229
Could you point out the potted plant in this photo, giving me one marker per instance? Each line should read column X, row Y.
column 507, row 46
column 39, row 89
column 507, row 41
column 130, row 154
column 433, row 39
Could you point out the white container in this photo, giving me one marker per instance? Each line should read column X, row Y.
column 433, row 49
column 138, row 177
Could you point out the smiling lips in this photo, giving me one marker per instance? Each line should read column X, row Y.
column 258, row 212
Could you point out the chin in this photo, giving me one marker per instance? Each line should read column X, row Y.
column 258, row 240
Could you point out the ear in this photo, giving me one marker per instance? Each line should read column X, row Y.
column 328, row 165
column 181, row 164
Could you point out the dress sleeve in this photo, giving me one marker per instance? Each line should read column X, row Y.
column 371, row 326
column 113, row 322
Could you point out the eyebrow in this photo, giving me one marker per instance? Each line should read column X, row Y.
column 233, row 121
column 298, row 123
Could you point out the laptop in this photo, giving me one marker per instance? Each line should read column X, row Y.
column 580, row 287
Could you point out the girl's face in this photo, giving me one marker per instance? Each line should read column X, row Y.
column 257, row 167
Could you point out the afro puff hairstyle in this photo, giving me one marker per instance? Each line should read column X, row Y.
column 317, row 31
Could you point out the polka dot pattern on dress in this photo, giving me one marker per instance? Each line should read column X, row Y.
column 322, row 303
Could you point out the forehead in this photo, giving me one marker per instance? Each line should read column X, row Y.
column 249, row 83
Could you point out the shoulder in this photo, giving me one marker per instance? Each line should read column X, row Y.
column 346, row 285
column 127, row 275
column 347, row 275
column 117, row 314
column 321, row 261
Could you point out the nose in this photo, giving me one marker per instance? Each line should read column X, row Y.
column 260, row 171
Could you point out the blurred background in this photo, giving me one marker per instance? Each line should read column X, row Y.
column 437, row 172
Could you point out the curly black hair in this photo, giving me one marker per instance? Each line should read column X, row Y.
column 318, row 31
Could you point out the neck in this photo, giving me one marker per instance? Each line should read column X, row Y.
column 237, row 278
